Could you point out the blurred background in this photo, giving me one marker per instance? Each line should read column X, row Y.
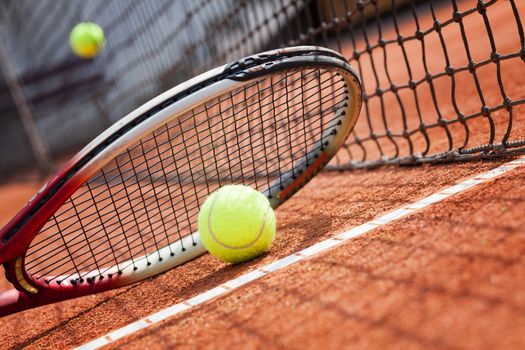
column 52, row 102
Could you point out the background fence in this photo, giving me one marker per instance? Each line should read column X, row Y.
column 403, row 50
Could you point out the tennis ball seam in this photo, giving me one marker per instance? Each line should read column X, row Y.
column 210, row 230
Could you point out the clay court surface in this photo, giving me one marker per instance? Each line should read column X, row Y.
column 445, row 277
column 449, row 276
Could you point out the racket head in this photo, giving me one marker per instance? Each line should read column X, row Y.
column 273, row 99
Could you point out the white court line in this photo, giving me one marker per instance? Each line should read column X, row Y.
column 301, row 255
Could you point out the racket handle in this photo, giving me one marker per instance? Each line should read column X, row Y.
column 13, row 300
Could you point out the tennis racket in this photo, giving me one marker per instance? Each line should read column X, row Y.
column 125, row 207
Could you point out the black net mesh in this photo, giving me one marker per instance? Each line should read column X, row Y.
column 441, row 78
column 148, row 197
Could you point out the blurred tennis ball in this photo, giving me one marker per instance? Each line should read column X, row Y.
column 236, row 223
column 86, row 39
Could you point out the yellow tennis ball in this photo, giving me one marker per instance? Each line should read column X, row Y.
column 236, row 223
column 87, row 39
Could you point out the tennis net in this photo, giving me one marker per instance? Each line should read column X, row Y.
column 441, row 78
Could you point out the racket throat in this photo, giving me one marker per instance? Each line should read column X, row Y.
column 17, row 276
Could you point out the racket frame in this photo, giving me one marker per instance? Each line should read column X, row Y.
column 17, row 235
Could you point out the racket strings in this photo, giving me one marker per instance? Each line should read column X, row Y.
column 78, row 245
column 154, row 179
column 130, row 174
column 149, row 196
column 220, row 120
column 150, row 225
